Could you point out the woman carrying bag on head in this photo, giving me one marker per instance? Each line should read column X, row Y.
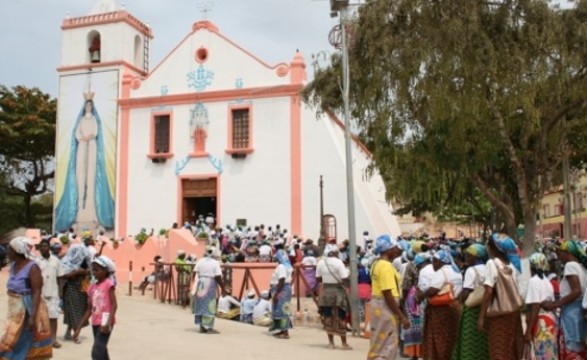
column 472, row 343
column 500, row 311
column 441, row 321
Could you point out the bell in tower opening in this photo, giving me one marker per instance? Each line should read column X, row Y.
column 95, row 49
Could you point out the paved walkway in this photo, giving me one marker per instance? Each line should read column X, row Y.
column 147, row 329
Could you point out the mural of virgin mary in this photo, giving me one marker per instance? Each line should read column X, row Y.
column 86, row 197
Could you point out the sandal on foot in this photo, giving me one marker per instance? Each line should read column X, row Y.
column 68, row 337
column 331, row 347
column 346, row 347
column 56, row 345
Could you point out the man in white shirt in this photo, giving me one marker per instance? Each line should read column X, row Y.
column 228, row 306
column 51, row 270
column 262, row 311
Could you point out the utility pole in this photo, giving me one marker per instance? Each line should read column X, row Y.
column 341, row 6
column 567, row 230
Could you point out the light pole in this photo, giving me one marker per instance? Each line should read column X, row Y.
column 341, row 6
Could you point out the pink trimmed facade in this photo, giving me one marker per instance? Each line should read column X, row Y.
column 273, row 180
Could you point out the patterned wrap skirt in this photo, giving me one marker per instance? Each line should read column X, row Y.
column 384, row 344
column 441, row 327
column 75, row 302
column 504, row 336
column 281, row 315
column 545, row 336
column 18, row 342
column 204, row 307
column 333, row 307
column 573, row 332
column 471, row 343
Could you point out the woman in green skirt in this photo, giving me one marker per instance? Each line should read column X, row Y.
column 471, row 343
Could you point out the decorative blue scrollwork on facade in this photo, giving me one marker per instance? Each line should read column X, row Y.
column 239, row 83
column 179, row 165
column 164, row 90
column 200, row 78
column 217, row 163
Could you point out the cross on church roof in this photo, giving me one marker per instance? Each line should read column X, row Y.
column 205, row 7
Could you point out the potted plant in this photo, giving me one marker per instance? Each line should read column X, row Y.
column 202, row 235
column 141, row 237
column 64, row 239
column 164, row 232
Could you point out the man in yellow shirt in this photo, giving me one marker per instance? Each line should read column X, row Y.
column 385, row 309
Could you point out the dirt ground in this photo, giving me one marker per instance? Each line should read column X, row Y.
column 147, row 329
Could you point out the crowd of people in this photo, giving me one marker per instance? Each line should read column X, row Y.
column 427, row 298
column 462, row 300
column 79, row 284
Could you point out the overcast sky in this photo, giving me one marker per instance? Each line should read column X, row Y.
column 30, row 33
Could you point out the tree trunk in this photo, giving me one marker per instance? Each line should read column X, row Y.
column 28, row 213
column 529, row 238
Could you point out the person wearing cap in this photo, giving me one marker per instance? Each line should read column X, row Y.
column 28, row 331
column 56, row 250
column 385, row 312
column 102, row 306
column 333, row 303
column 51, row 270
column 209, row 275
column 262, row 310
column 247, row 307
column 183, row 269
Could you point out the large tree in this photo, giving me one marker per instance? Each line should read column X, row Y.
column 27, row 144
column 458, row 96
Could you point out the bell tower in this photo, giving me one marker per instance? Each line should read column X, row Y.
column 98, row 51
column 108, row 36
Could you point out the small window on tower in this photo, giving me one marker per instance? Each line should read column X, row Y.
column 94, row 47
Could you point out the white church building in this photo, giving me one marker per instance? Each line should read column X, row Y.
column 210, row 129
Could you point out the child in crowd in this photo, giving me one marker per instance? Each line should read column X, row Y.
column 102, row 307
column 247, row 306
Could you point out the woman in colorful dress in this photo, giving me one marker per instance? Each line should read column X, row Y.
column 333, row 304
column 411, row 338
column 385, row 310
column 281, row 294
column 542, row 328
column 209, row 278
column 573, row 325
column 76, row 269
column 28, row 332
column 472, row 343
column 441, row 322
column 504, row 330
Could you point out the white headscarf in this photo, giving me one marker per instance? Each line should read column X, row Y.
column 21, row 245
column 106, row 263
column 74, row 258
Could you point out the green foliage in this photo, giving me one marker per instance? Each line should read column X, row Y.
column 27, row 146
column 464, row 103
column 64, row 239
column 141, row 237
column 203, row 235
column 163, row 232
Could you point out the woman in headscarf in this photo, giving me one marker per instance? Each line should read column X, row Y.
column 472, row 343
column 333, row 304
column 573, row 325
column 28, row 331
column 503, row 327
column 441, row 323
column 76, row 275
column 541, row 329
column 281, row 295
column 309, row 263
column 411, row 338
column 209, row 276
column 385, row 310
